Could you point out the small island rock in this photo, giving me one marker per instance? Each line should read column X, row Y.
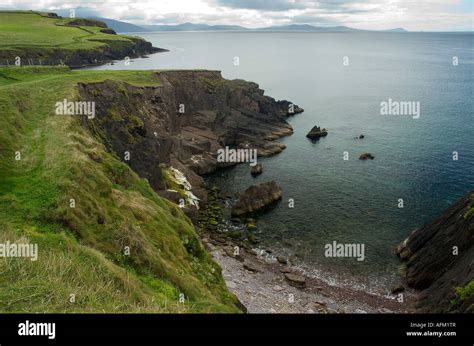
column 366, row 156
column 316, row 133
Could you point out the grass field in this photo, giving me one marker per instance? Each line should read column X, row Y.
column 45, row 161
column 34, row 29
column 44, row 39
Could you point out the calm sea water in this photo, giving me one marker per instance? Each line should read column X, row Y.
column 349, row 201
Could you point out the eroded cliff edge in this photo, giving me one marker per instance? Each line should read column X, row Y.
column 183, row 122
column 439, row 260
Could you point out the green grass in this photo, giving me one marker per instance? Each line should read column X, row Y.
column 81, row 249
column 463, row 294
column 34, row 29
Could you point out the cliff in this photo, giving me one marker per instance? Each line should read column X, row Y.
column 183, row 121
column 438, row 260
column 39, row 38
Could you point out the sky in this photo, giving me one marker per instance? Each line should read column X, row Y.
column 413, row 15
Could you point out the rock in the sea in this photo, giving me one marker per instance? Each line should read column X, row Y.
column 361, row 137
column 295, row 280
column 316, row 133
column 366, row 156
column 256, row 198
column 256, row 170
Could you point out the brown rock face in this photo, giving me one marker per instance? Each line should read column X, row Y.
column 439, row 257
column 256, row 198
column 183, row 121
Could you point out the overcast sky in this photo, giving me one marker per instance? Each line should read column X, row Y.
column 429, row 15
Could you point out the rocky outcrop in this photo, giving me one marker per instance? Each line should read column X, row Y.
column 366, row 156
column 257, row 198
column 291, row 109
column 439, row 258
column 183, row 122
column 316, row 133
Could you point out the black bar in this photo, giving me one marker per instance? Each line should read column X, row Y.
column 337, row 329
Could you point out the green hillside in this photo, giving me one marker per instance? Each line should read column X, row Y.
column 45, row 161
column 37, row 35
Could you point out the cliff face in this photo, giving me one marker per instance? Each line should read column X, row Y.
column 439, row 258
column 183, row 122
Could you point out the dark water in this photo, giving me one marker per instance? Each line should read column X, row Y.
column 349, row 201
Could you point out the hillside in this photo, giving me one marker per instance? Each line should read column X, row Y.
column 46, row 162
column 47, row 39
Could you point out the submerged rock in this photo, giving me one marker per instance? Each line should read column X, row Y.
column 256, row 170
column 256, row 198
column 366, row 156
column 316, row 133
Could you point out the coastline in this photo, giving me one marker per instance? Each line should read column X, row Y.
column 264, row 289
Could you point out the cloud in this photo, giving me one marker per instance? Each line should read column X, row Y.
column 434, row 15
column 265, row 5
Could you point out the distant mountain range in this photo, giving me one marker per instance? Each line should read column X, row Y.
column 120, row 27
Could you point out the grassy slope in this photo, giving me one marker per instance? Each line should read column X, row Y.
column 20, row 30
column 81, row 248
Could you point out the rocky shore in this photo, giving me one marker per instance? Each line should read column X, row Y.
column 265, row 283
